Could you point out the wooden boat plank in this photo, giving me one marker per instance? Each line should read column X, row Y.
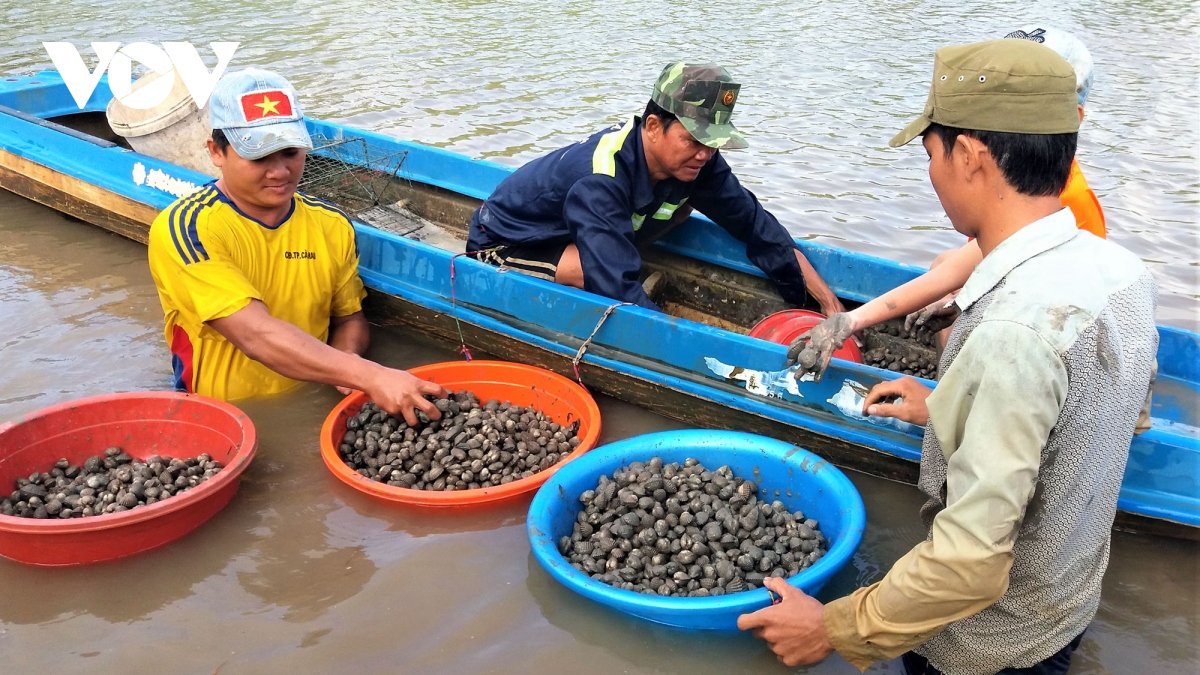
column 78, row 198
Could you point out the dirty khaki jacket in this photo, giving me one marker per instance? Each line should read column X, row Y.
column 1029, row 427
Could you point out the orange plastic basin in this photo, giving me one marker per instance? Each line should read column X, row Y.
column 783, row 327
column 562, row 400
column 142, row 424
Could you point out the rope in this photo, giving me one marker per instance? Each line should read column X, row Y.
column 462, row 349
column 462, row 342
column 588, row 342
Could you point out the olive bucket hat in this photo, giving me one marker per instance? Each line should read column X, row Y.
column 1013, row 86
column 702, row 96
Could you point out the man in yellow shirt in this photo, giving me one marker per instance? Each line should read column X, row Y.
column 1039, row 389
column 259, row 283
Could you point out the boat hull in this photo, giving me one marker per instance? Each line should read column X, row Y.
column 649, row 359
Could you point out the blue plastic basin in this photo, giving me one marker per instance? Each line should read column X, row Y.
column 802, row 480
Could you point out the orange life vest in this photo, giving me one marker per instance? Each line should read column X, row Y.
column 1078, row 197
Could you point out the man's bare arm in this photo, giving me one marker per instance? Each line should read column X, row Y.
column 819, row 343
column 291, row 352
column 350, row 333
column 817, row 287
column 920, row 292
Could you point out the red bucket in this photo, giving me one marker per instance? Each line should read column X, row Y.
column 142, row 424
column 783, row 327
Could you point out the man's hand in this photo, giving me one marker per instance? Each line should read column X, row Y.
column 936, row 316
column 794, row 629
column 832, row 307
column 814, row 347
column 291, row 352
column 911, row 409
column 399, row 392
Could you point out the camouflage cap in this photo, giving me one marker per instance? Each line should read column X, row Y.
column 1012, row 86
column 702, row 97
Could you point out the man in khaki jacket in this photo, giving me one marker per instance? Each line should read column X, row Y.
column 1038, row 393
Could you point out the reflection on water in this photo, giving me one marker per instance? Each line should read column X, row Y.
column 1141, row 597
column 825, row 85
column 59, row 291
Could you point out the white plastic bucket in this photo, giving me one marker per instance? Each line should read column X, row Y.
column 173, row 131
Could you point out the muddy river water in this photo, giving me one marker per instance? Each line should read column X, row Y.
column 300, row 574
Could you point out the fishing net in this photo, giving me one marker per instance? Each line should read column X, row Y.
column 350, row 173
column 363, row 178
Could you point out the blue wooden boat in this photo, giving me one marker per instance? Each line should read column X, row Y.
column 704, row 372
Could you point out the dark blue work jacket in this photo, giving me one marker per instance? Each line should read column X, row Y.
column 597, row 194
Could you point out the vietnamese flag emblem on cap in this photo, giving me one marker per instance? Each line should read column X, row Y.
column 259, row 105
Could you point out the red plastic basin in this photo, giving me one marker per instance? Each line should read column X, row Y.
column 142, row 424
column 783, row 327
column 563, row 400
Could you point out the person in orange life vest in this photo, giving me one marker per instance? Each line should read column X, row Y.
column 928, row 299
column 1077, row 196
column 259, row 283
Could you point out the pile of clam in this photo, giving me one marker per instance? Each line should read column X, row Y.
column 892, row 347
column 907, row 361
column 472, row 446
column 683, row 530
column 110, row 483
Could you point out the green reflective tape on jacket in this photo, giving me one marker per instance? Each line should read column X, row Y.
column 665, row 211
column 638, row 219
column 604, row 158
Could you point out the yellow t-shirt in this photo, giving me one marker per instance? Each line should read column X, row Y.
column 210, row 260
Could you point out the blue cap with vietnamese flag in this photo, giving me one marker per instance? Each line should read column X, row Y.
column 258, row 111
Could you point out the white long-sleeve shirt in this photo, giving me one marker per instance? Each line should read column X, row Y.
column 1029, row 428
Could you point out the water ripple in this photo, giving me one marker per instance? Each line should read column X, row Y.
column 825, row 85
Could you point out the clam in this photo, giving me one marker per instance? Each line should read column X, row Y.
column 682, row 530
column 472, row 446
column 109, row 483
